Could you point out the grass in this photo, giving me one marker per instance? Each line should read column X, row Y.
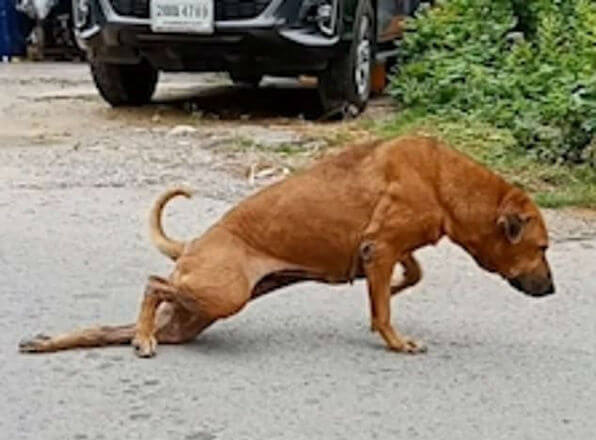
column 551, row 185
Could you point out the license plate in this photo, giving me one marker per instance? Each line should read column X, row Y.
column 194, row 16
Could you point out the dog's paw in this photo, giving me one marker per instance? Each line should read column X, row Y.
column 145, row 347
column 413, row 347
column 410, row 346
column 34, row 344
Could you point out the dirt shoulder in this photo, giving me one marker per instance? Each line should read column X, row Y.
column 51, row 114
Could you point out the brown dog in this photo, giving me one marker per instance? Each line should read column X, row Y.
column 353, row 215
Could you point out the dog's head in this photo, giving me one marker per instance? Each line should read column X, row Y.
column 517, row 247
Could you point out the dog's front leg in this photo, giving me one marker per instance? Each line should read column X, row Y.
column 378, row 268
column 411, row 276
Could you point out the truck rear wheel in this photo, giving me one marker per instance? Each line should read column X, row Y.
column 124, row 84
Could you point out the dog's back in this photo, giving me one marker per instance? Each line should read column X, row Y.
column 313, row 218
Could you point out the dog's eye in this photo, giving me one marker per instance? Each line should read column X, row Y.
column 543, row 248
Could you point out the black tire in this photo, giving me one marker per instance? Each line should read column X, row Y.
column 340, row 90
column 246, row 80
column 124, row 84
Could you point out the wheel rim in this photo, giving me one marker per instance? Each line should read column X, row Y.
column 363, row 59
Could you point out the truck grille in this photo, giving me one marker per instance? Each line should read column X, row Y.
column 224, row 9
column 239, row 9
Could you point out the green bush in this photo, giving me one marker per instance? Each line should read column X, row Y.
column 527, row 66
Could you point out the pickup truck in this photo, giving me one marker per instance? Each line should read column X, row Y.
column 128, row 42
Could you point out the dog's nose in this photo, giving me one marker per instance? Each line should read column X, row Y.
column 516, row 282
column 550, row 289
column 533, row 287
column 547, row 289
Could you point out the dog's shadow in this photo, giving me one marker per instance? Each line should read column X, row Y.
column 252, row 340
column 249, row 341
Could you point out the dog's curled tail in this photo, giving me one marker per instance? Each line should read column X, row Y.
column 165, row 245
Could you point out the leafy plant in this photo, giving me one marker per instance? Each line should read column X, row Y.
column 525, row 66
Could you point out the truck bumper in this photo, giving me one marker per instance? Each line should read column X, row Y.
column 266, row 44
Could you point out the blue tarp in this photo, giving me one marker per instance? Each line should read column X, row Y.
column 12, row 30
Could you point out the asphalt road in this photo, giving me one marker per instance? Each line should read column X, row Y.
column 298, row 364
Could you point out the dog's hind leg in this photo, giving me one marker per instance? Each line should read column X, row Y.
column 172, row 324
column 175, row 325
column 101, row 335
column 157, row 291
column 169, row 316
column 89, row 337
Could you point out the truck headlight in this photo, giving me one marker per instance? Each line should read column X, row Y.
column 327, row 17
column 80, row 13
column 323, row 13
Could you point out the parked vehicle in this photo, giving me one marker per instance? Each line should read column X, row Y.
column 130, row 41
column 50, row 31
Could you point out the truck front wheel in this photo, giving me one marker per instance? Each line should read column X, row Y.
column 124, row 84
column 344, row 87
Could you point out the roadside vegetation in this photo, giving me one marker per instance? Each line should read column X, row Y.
column 511, row 82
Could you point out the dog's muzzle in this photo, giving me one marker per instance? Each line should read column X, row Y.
column 533, row 286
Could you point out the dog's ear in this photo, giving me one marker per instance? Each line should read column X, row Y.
column 513, row 225
column 514, row 215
